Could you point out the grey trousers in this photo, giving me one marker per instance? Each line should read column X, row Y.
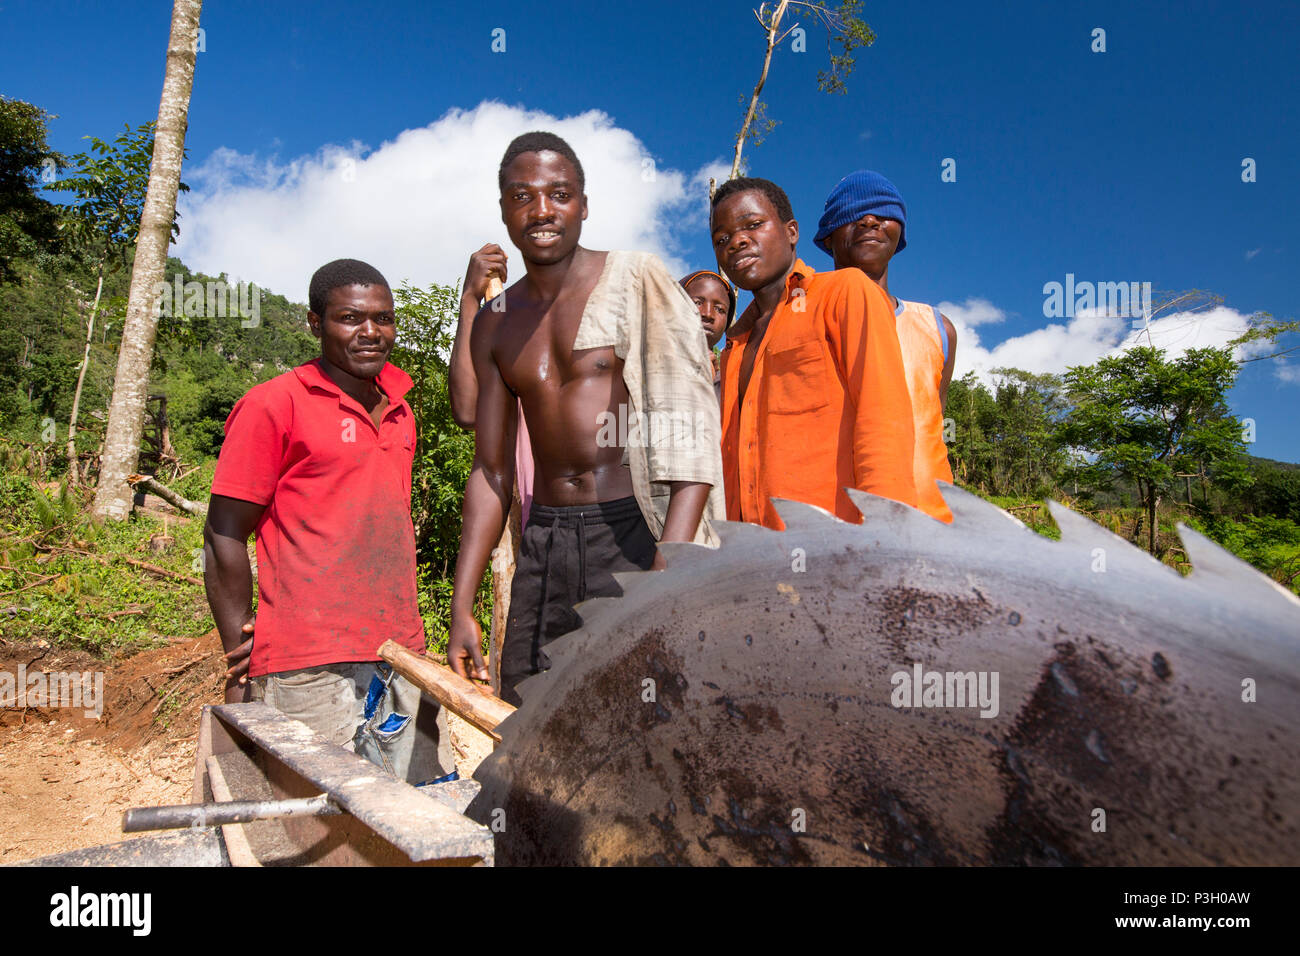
column 406, row 732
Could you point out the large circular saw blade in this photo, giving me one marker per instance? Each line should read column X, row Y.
column 907, row 692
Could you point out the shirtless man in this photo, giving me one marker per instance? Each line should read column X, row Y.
column 586, row 521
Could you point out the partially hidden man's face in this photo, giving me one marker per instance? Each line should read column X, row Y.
column 867, row 244
column 710, row 297
column 753, row 246
column 542, row 206
column 357, row 330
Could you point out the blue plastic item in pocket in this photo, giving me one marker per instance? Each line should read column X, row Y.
column 374, row 694
column 392, row 725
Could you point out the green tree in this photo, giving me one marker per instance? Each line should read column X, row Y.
column 843, row 26
column 108, row 185
column 1143, row 418
column 1004, row 440
column 1275, row 491
column 28, row 223
column 1027, row 455
column 444, row 452
column 973, row 412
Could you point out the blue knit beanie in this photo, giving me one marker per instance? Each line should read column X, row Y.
column 853, row 197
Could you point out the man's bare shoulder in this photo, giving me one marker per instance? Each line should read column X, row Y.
column 488, row 321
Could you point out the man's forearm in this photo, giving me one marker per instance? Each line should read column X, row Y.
column 483, row 518
column 686, row 503
column 462, row 382
column 228, row 580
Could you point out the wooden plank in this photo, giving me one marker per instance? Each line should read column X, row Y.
column 422, row 828
column 237, row 845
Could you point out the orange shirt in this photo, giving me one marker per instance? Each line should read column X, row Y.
column 827, row 404
column 923, row 360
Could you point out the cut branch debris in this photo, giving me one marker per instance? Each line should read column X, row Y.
column 166, row 494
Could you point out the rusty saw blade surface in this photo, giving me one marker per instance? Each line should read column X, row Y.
column 755, row 704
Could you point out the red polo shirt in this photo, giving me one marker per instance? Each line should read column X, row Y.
column 335, row 547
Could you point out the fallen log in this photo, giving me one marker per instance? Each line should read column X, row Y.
column 143, row 565
column 166, row 494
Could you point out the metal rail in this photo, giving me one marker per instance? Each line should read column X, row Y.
column 177, row 817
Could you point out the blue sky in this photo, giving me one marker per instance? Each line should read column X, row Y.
column 1117, row 166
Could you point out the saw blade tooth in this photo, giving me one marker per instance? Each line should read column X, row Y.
column 626, row 579
column 532, row 686
column 970, row 512
column 561, row 651
column 1080, row 531
column 799, row 516
column 1084, row 534
column 877, row 510
column 737, row 533
column 685, row 554
column 597, row 609
column 1210, row 561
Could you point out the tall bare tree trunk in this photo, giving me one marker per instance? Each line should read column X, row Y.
column 131, row 384
column 73, row 476
column 772, row 28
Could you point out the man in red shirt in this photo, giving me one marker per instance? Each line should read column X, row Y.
column 317, row 463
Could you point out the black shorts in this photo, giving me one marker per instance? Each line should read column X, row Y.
column 566, row 556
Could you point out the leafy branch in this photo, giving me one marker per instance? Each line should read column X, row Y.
column 843, row 27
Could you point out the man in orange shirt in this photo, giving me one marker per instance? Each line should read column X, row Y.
column 863, row 226
column 814, row 397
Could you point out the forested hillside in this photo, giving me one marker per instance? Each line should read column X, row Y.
column 201, row 364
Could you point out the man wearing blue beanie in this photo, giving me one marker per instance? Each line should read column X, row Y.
column 864, row 224
column 855, row 196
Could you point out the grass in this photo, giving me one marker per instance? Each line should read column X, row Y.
column 63, row 577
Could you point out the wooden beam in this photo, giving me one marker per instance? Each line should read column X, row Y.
column 462, row 697
column 504, row 558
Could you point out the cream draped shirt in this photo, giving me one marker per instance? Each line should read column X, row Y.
column 673, row 428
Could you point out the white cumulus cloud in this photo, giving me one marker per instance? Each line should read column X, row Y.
column 1286, row 372
column 972, row 312
column 417, row 206
column 1087, row 337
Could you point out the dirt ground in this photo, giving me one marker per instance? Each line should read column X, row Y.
column 66, row 779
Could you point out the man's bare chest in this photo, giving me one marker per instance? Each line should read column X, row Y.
column 538, row 353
